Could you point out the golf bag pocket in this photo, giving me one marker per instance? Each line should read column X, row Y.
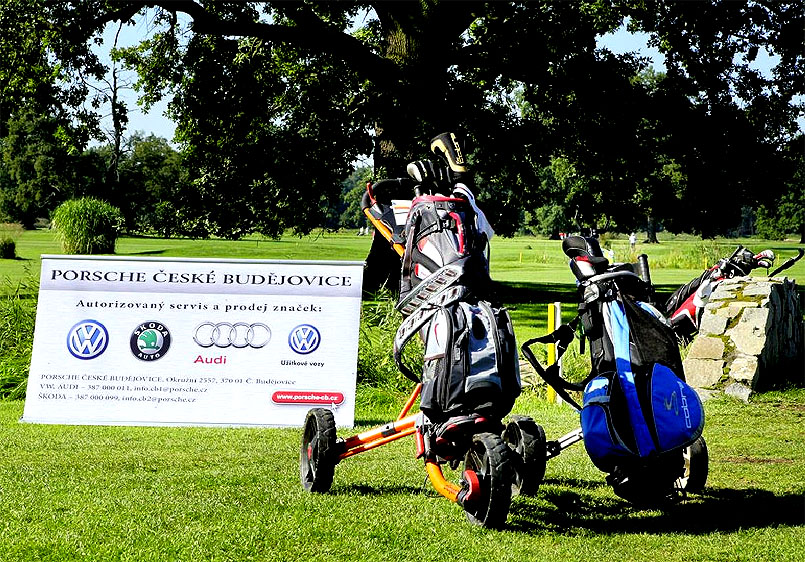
column 677, row 411
column 470, row 363
column 604, row 443
column 675, row 419
column 441, row 231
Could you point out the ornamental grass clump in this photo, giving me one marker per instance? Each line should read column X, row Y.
column 87, row 226
column 17, row 319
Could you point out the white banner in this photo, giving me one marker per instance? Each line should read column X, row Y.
column 144, row 341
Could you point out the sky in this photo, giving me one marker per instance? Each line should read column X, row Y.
column 153, row 121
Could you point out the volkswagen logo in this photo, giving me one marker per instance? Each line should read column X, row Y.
column 304, row 339
column 238, row 335
column 87, row 339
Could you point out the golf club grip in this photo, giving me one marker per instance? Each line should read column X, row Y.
column 642, row 268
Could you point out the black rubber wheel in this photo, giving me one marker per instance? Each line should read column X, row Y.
column 318, row 455
column 697, row 462
column 526, row 439
column 491, row 461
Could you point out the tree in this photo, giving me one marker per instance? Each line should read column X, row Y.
column 350, row 212
column 787, row 215
column 274, row 101
column 152, row 182
column 39, row 167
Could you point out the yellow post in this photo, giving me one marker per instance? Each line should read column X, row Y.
column 551, row 348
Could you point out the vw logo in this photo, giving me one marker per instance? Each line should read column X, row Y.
column 87, row 339
column 304, row 339
column 238, row 335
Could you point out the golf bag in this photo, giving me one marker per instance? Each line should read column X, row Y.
column 470, row 360
column 637, row 412
column 685, row 306
column 470, row 366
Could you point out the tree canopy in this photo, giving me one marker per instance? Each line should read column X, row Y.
column 275, row 102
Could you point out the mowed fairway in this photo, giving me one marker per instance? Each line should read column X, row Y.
column 189, row 494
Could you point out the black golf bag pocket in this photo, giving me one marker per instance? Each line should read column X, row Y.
column 470, row 363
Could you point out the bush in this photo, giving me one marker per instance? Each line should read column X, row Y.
column 695, row 256
column 9, row 232
column 8, row 249
column 87, row 226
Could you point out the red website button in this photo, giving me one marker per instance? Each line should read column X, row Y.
column 307, row 397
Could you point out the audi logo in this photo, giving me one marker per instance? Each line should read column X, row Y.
column 238, row 335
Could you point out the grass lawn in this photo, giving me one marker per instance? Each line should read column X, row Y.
column 159, row 494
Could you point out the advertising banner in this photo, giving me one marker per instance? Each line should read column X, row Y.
column 148, row 341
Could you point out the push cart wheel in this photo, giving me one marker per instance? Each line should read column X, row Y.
column 697, row 461
column 489, row 460
column 317, row 456
column 526, row 438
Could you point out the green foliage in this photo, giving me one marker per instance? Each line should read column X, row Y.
column 353, row 189
column 38, row 167
column 152, row 185
column 702, row 255
column 8, row 240
column 376, row 366
column 769, row 225
column 17, row 317
column 87, row 226
column 8, row 248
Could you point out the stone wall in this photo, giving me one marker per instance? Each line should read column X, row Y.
column 750, row 338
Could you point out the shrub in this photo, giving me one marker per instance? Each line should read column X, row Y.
column 8, row 249
column 87, row 226
column 9, row 232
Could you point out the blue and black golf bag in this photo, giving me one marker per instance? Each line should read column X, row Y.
column 639, row 418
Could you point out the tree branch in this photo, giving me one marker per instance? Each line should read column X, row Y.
column 313, row 34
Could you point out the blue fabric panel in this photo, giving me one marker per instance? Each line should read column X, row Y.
column 602, row 443
column 623, row 365
column 678, row 411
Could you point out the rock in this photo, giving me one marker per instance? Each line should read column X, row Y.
column 757, row 289
column 706, row 348
column 739, row 391
column 749, row 335
column 744, row 369
column 765, row 345
column 703, row 373
column 712, row 324
column 735, row 308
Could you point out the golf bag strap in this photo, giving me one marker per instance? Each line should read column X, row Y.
column 417, row 319
column 623, row 365
column 405, row 274
column 562, row 337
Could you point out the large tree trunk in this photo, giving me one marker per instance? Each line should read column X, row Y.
column 400, row 136
column 651, row 230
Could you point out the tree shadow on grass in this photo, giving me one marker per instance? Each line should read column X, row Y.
column 572, row 509
column 147, row 253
